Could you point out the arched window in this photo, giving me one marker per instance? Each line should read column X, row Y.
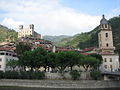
column 105, row 60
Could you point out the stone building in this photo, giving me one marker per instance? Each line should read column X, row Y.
column 106, row 47
column 26, row 31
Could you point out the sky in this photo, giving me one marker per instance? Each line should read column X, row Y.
column 57, row 17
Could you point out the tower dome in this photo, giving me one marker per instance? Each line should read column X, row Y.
column 103, row 20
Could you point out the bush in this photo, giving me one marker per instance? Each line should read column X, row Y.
column 1, row 74
column 75, row 74
column 39, row 75
column 11, row 75
column 22, row 75
column 96, row 75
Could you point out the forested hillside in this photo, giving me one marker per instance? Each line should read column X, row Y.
column 7, row 34
column 90, row 39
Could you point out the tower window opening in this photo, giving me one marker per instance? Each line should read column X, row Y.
column 106, row 34
column 102, row 26
column 107, row 44
column 105, row 25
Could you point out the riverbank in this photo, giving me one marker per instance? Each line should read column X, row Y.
column 36, row 88
column 67, row 84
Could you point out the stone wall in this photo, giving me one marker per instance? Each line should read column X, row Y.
column 83, row 76
column 61, row 83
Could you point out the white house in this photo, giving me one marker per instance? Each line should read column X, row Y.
column 5, row 56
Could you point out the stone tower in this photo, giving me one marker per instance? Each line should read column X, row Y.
column 105, row 38
column 26, row 31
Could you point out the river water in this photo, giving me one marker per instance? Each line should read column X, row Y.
column 29, row 88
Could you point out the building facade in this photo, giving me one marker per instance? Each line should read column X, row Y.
column 26, row 31
column 106, row 47
column 6, row 56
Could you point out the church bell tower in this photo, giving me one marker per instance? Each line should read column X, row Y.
column 105, row 37
column 106, row 48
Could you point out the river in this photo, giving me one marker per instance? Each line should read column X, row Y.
column 31, row 88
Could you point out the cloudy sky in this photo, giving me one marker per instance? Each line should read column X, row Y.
column 57, row 17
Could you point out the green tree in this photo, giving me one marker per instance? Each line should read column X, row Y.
column 89, row 62
column 34, row 59
column 81, row 58
column 28, row 58
column 99, row 60
column 40, row 57
column 50, row 60
column 20, row 49
column 73, row 58
column 12, row 63
column 62, row 59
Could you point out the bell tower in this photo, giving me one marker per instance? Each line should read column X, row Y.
column 106, row 49
column 105, row 37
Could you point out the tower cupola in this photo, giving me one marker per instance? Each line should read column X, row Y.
column 103, row 20
column 104, row 24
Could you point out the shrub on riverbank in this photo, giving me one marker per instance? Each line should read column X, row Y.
column 1, row 74
column 21, row 75
column 75, row 74
column 96, row 75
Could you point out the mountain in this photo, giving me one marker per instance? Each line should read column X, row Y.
column 90, row 39
column 7, row 34
column 55, row 39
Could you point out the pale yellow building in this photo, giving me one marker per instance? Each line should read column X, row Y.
column 26, row 31
column 106, row 47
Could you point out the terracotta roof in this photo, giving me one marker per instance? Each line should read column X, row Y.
column 6, row 48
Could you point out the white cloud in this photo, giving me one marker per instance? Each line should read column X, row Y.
column 10, row 23
column 48, row 16
column 114, row 12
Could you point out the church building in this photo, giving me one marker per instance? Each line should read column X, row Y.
column 106, row 47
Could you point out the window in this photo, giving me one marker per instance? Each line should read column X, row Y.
column 111, row 66
column 106, row 34
column 102, row 26
column 110, row 59
column 6, row 53
column 100, row 37
column 105, row 25
column 105, row 66
column 10, row 54
column 0, row 59
column 105, row 60
column 107, row 45
column 2, row 53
